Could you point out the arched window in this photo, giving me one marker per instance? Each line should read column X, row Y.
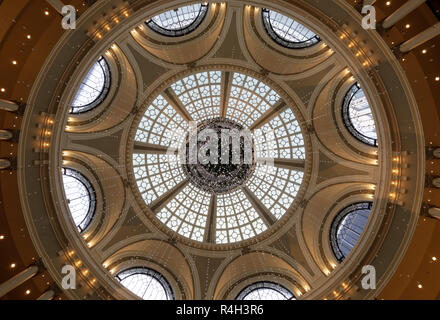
column 180, row 21
column 146, row 284
column 357, row 116
column 80, row 197
column 265, row 291
column 94, row 88
column 287, row 32
column 347, row 227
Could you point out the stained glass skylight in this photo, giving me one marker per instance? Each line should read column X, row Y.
column 358, row 117
column 180, row 21
column 186, row 196
column 94, row 88
column 265, row 291
column 249, row 99
column 200, row 94
column 286, row 31
column 146, row 284
column 347, row 227
column 80, row 197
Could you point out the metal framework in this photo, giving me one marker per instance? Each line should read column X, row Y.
column 94, row 88
column 265, row 291
column 80, row 196
column 180, row 21
column 358, row 117
column 347, row 227
column 287, row 32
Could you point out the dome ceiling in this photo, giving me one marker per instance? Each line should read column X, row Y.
column 305, row 188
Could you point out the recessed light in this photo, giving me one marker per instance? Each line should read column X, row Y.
column 388, row 3
column 408, row 26
column 29, row 36
column 424, row 51
column 434, row 258
column 3, row 90
column 14, row 62
column 28, row 291
column 13, row 265
column 2, row 237
column 46, row 13
column 419, row 286
column 437, row 78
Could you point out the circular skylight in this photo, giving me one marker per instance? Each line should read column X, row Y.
column 94, row 88
column 286, row 31
column 80, row 197
column 180, row 21
column 146, row 284
column 265, row 291
column 210, row 166
column 347, row 227
column 358, row 117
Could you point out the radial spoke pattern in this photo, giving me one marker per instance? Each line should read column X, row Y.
column 187, row 213
column 358, row 116
column 94, row 88
column 249, row 99
column 200, row 94
column 275, row 187
column 156, row 174
column 146, row 284
column 237, row 220
column 286, row 31
column 162, row 125
column 280, row 138
column 80, row 197
column 265, row 291
column 180, row 21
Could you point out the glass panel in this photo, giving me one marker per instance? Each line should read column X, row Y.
column 180, row 21
column 287, row 32
column 94, row 88
column 265, row 291
column 80, row 197
column 146, row 284
column 358, row 117
column 347, row 228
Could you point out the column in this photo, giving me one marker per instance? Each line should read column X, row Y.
column 401, row 13
column 5, row 135
column 18, row 280
column 48, row 295
column 7, row 105
column 56, row 4
column 434, row 212
column 421, row 38
column 5, row 164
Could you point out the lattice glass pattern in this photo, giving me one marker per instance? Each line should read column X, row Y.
column 347, row 227
column 156, row 174
column 265, row 291
column 286, row 31
column 237, row 220
column 80, row 197
column 200, row 94
column 249, row 99
column 162, row 125
column 187, row 213
column 357, row 115
column 180, row 21
column 280, row 138
column 275, row 187
column 146, row 284
column 93, row 89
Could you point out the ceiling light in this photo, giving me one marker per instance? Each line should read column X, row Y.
column 2, row 237
column 437, row 78
column 46, row 13
column 14, row 62
column 419, row 286
column 13, row 265
column 3, row 90
column 434, row 258
column 29, row 36
column 408, row 26
column 424, row 51
column 28, row 291
column 388, row 3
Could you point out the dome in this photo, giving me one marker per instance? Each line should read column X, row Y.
column 184, row 150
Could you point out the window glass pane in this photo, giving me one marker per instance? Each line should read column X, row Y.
column 93, row 89
column 286, row 31
column 265, row 291
column 180, row 21
column 146, row 284
column 80, row 197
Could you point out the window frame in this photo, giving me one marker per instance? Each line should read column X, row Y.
column 265, row 14
column 348, row 123
column 78, row 110
column 265, row 285
column 183, row 31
